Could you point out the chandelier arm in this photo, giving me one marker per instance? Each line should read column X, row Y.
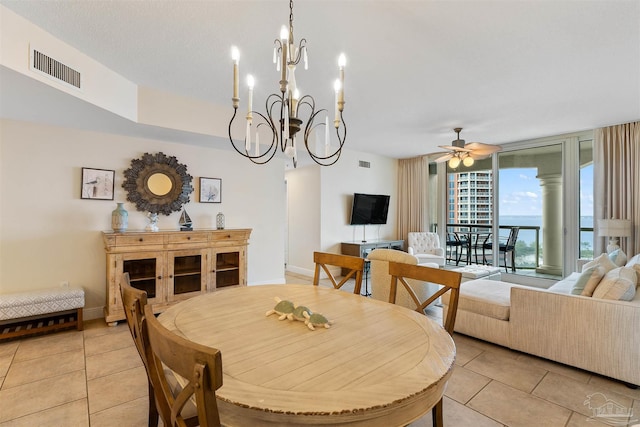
column 301, row 46
column 277, row 135
column 235, row 112
column 273, row 148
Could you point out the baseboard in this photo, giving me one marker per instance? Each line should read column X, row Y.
column 300, row 270
column 93, row 313
column 336, row 271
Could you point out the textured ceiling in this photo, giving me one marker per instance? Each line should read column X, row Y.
column 503, row 70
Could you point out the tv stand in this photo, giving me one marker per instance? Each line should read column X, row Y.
column 363, row 248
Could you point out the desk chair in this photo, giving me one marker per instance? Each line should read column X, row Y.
column 450, row 282
column 354, row 265
column 200, row 367
column 133, row 301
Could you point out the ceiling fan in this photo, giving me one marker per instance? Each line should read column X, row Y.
column 467, row 154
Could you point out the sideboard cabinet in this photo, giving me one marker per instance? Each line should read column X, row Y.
column 172, row 266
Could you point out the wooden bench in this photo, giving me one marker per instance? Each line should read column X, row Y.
column 39, row 311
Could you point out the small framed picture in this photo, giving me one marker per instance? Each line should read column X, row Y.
column 210, row 190
column 97, row 184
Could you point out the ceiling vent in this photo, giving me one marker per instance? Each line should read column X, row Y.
column 55, row 69
column 364, row 164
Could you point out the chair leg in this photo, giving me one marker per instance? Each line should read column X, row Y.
column 437, row 415
column 153, row 410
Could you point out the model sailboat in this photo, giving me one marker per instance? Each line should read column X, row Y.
column 185, row 221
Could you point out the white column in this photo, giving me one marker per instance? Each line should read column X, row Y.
column 552, row 234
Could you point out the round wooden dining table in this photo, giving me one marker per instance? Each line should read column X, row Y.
column 378, row 364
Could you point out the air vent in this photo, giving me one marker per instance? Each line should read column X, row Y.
column 364, row 164
column 56, row 69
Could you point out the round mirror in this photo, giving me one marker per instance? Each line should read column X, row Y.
column 157, row 183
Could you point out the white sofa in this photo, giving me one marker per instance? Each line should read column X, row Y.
column 589, row 332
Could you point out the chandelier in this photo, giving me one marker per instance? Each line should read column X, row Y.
column 283, row 111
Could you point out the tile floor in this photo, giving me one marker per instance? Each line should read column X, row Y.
column 95, row 378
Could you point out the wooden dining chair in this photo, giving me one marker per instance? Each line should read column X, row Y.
column 449, row 282
column 352, row 265
column 198, row 366
column 133, row 301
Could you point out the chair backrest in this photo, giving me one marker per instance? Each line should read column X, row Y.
column 449, row 280
column 200, row 369
column 513, row 237
column 423, row 242
column 379, row 266
column 354, row 265
column 133, row 301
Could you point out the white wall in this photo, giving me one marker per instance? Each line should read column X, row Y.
column 321, row 199
column 303, row 205
column 49, row 235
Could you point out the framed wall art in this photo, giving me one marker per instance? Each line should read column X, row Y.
column 210, row 190
column 97, row 184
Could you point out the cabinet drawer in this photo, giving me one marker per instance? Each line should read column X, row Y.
column 228, row 235
column 188, row 237
column 146, row 239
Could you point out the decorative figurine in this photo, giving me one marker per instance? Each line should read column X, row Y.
column 185, row 221
column 283, row 308
column 153, row 222
column 316, row 319
column 298, row 313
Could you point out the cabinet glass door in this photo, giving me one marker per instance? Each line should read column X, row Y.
column 144, row 274
column 227, row 269
column 187, row 273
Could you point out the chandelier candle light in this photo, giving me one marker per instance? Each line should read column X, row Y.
column 284, row 130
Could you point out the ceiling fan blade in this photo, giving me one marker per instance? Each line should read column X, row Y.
column 478, row 156
column 482, row 149
column 443, row 158
column 453, row 148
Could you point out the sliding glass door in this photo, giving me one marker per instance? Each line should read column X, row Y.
column 530, row 203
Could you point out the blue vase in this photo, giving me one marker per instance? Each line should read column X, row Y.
column 119, row 219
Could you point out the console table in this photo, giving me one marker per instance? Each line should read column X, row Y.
column 362, row 249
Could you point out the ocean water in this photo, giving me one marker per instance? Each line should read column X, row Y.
column 528, row 236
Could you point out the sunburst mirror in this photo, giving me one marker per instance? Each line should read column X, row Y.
column 157, row 183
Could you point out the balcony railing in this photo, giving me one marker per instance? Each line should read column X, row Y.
column 527, row 246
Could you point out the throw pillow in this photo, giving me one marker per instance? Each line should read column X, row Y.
column 588, row 281
column 634, row 260
column 603, row 261
column 635, row 263
column 617, row 284
column 618, row 257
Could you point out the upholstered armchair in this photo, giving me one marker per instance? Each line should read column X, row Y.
column 426, row 247
column 381, row 280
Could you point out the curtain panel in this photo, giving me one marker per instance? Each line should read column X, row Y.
column 617, row 182
column 413, row 193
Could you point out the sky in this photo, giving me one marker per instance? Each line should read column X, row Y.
column 521, row 194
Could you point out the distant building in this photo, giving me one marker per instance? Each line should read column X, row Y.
column 470, row 197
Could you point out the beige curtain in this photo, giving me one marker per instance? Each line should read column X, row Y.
column 617, row 181
column 413, row 185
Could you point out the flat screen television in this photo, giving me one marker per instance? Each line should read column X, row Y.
column 369, row 209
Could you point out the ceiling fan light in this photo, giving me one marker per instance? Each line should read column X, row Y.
column 454, row 162
column 468, row 161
